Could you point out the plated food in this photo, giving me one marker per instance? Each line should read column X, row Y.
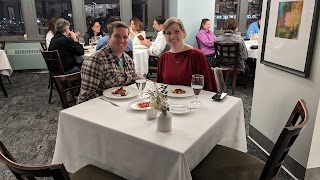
column 139, row 104
column 120, row 91
column 143, row 104
column 178, row 91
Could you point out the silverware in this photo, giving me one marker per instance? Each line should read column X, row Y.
column 109, row 101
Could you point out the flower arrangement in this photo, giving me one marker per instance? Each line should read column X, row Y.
column 158, row 97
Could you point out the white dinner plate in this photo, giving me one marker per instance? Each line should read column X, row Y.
column 134, row 104
column 189, row 91
column 179, row 109
column 131, row 92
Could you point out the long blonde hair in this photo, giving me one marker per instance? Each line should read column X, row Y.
column 173, row 20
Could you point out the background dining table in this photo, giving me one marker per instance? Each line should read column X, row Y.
column 122, row 141
column 252, row 53
column 5, row 67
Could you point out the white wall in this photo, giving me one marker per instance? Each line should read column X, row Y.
column 275, row 95
column 154, row 9
column 314, row 159
column 191, row 13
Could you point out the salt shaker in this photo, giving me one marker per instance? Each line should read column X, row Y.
column 151, row 113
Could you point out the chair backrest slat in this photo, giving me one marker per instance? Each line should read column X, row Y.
column 58, row 171
column 44, row 46
column 2, row 44
column 298, row 119
column 198, row 42
column 68, row 88
column 53, row 61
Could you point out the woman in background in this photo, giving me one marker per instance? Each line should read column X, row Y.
column 135, row 30
column 177, row 65
column 93, row 30
column 51, row 30
column 206, row 40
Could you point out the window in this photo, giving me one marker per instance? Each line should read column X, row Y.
column 46, row 9
column 11, row 18
column 225, row 9
column 101, row 10
column 254, row 11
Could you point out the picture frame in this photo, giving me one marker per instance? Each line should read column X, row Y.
column 289, row 35
column 11, row 12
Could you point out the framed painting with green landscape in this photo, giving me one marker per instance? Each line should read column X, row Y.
column 289, row 35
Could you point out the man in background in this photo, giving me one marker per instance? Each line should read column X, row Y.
column 254, row 28
column 104, row 41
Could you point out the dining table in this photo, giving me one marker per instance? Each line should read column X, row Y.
column 252, row 53
column 121, row 140
column 140, row 57
column 5, row 67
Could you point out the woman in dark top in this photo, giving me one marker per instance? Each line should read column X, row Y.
column 93, row 30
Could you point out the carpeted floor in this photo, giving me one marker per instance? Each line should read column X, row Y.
column 29, row 124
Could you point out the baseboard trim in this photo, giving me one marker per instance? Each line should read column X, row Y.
column 313, row 174
column 289, row 163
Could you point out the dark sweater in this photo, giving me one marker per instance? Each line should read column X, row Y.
column 67, row 48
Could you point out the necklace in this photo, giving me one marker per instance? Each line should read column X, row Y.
column 178, row 58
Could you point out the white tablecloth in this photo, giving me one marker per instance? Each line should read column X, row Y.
column 122, row 141
column 252, row 53
column 5, row 67
column 141, row 60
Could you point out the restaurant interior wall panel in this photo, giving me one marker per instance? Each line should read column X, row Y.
column 275, row 95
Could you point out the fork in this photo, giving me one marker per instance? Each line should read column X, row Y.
column 101, row 97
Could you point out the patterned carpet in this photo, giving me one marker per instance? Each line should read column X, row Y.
column 29, row 124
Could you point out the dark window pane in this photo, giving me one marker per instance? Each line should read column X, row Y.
column 46, row 9
column 225, row 9
column 254, row 11
column 102, row 10
column 11, row 18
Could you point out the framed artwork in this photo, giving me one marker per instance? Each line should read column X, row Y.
column 289, row 35
column 11, row 12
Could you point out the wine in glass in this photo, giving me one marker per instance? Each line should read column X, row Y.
column 197, row 83
column 141, row 83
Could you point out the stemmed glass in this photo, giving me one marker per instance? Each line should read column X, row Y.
column 81, row 41
column 197, row 83
column 141, row 83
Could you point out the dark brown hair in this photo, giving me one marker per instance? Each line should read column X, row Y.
column 230, row 24
column 52, row 23
column 203, row 22
column 115, row 25
column 137, row 23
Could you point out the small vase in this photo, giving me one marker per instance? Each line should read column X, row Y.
column 164, row 121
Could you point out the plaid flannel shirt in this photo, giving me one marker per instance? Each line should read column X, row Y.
column 102, row 71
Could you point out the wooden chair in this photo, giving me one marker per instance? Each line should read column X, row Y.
column 44, row 46
column 149, row 37
column 227, row 55
column 68, row 83
column 226, row 163
column 55, row 67
column 56, row 171
column 198, row 42
column 2, row 88
column 153, row 69
column 2, row 44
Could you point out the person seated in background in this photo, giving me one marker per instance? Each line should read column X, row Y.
column 177, row 65
column 51, row 30
column 206, row 40
column 160, row 43
column 66, row 42
column 254, row 28
column 136, row 29
column 104, row 40
column 229, row 36
column 93, row 30
column 109, row 67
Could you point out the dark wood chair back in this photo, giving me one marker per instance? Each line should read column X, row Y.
column 2, row 44
column 58, row 171
column 130, row 53
column 68, row 87
column 198, row 42
column 44, row 46
column 2, row 87
column 298, row 119
column 53, row 61
column 227, row 55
